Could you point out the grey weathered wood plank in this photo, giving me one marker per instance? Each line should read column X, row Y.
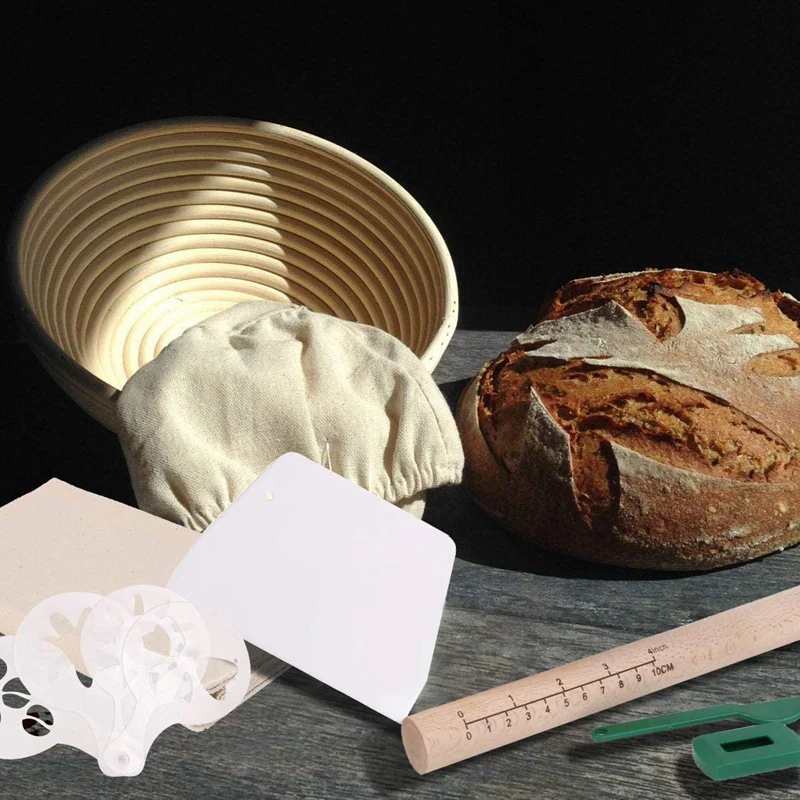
column 511, row 611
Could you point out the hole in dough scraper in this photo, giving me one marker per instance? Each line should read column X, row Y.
column 328, row 577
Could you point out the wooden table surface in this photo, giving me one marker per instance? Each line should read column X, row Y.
column 511, row 611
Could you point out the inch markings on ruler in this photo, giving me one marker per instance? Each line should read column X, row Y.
column 562, row 691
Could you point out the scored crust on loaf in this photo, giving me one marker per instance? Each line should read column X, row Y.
column 717, row 399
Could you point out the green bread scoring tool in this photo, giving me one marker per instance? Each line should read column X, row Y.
column 747, row 751
column 734, row 753
column 778, row 711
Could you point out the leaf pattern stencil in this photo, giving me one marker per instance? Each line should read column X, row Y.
column 710, row 353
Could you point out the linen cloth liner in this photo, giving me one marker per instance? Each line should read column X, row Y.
column 221, row 402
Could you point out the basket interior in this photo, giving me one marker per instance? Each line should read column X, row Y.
column 148, row 232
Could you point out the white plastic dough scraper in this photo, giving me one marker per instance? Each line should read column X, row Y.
column 328, row 577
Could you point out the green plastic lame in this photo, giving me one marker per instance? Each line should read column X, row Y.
column 779, row 711
column 752, row 750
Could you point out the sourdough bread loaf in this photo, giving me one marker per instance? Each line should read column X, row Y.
column 649, row 419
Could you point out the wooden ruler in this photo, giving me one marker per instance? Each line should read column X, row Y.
column 473, row 725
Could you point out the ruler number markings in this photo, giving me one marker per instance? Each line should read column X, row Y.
column 657, row 670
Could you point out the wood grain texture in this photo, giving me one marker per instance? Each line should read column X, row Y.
column 469, row 726
column 511, row 611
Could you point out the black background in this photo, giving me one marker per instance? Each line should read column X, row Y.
column 544, row 144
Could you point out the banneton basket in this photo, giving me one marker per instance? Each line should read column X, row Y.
column 150, row 230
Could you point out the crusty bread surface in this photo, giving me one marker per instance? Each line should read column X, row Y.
column 645, row 467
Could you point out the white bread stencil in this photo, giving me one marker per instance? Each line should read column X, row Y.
column 360, row 584
column 140, row 685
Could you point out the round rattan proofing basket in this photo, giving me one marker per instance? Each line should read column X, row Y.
column 146, row 232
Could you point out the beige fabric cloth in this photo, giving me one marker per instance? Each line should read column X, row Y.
column 201, row 421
